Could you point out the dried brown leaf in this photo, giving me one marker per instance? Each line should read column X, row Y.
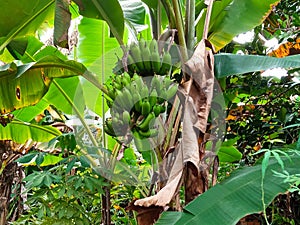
column 200, row 87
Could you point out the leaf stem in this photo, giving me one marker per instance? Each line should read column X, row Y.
column 42, row 128
column 103, row 80
column 179, row 26
column 89, row 132
column 190, row 24
column 207, row 19
column 170, row 13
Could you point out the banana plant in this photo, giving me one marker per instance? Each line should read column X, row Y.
column 53, row 75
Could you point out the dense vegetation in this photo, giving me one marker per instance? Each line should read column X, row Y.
column 95, row 119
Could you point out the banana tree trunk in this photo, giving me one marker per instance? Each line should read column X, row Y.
column 9, row 171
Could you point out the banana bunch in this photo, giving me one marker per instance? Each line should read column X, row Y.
column 136, row 103
column 144, row 59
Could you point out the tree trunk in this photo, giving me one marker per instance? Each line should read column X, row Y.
column 9, row 171
column 106, row 204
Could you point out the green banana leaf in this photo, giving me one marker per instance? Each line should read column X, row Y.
column 231, row 64
column 66, row 94
column 23, row 18
column 134, row 14
column 20, row 132
column 110, row 11
column 239, row 195
column 35, row 50
column 230, row 18
column 27, row 114
column 25, row 85
column 228, row 153
column 97, row 51
column 151, row 3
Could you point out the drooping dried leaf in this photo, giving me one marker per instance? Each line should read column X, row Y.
column 62, row 23
column 164, row 196
column 201, row 85
column 146, row 215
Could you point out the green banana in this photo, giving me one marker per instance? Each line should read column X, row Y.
column 126, row 117
column 108, row 128
column 131, row 87
column 146, row 55
column 147, row 122
column 167, row 81
column 118, row 80
column 162, row 108
column 144, row 91
column 156, row 110
column 124, row 82
column 115, row 114
column 153, row 98
column 111, row 92
column 146, row 108
column 138, row 106
column 139, row 143
column 115, row 121
column 153, row 46
column 119, row 101
column 135, row 77
column 166, row 64
column 142, row 43
column 126, row 79
column 127, row 99
column 137, row 57
column 162, row 96
column 136, row 97
column 171, row 91
column 155, row 84
column 155, row 62
column 132, row 67
column 149, row 133
column 116, row 85
column 139, row 84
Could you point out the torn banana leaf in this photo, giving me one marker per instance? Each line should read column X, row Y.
column 25, row 85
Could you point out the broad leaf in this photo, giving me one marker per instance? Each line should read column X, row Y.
column 68, row 89
column 18, row 45
column 134, row 14
column 94, row 41
column 239, row 195
column 110, row 11
column 151, row 3
column 47, row 160
column 27, row 114
column 97, row 51
column 26, row 84
column 20, row 132
column 230, row 18
column 229, row 153
column 230, row 64
column 23, row 18
column 33, row 45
